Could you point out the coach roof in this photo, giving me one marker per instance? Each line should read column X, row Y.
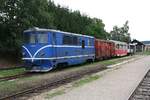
column 118, row 42
column 52, row 30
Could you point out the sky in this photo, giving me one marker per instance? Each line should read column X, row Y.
column 116, row 12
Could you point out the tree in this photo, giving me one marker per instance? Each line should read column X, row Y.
column 9, row 26
column 18, row 15
column 96, row 28
column 36, row 13
column 121, row 34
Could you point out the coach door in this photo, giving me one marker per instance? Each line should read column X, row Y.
column 83, row 44
column 83, row 47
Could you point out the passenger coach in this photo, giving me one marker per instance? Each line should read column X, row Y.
column 121, row 48
column 44, row 49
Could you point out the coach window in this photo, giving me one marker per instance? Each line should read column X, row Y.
column 117, row 46
column 121, row 46
column 126, row 47
column 42, row 37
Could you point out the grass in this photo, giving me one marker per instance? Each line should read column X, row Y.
column 86, row 80
column 13, row 86
column 8, row 87
column 146, row 52
column 110, row 62
column 51, row 95
column 78, row 83
column 11, row 72
column 102, row 62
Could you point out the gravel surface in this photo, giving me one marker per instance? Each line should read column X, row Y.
column 114, row 85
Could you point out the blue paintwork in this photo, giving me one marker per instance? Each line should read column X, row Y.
column 57, row 53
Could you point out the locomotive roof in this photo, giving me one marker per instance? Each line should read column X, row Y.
column 52, row 30
column 118, row 42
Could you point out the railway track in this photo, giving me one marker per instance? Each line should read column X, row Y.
column 51, row 84
column 11, row 68
column 15, row 76
column 142, row 92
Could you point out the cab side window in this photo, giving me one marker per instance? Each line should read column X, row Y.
column 89, row 42
column 70, row 40
column 53, row 38
column 67, row 40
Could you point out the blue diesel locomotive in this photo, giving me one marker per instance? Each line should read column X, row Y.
column 45, row 49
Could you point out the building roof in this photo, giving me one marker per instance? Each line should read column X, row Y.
column 137, row 42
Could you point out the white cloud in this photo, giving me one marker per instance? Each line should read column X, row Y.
column 116, row 12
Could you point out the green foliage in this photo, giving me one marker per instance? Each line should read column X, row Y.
column 121, row 34
column 146, row 53
column 18, row 15
column 9, row 38
column 96, row 28
column 86, row 80
column 11, row 72
column 35, row 13
column 51, row 95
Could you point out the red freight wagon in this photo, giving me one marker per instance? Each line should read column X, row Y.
column 121, row 48
column 104, row 49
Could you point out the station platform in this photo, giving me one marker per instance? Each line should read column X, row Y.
column 117, row 84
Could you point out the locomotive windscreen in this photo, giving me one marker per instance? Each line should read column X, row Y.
column 42, row 37
column 29, row 37
column 36, row 37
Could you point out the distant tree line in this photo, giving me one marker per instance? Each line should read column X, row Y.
column 18, row 15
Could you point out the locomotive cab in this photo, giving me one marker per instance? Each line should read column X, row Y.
column 36, row 50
